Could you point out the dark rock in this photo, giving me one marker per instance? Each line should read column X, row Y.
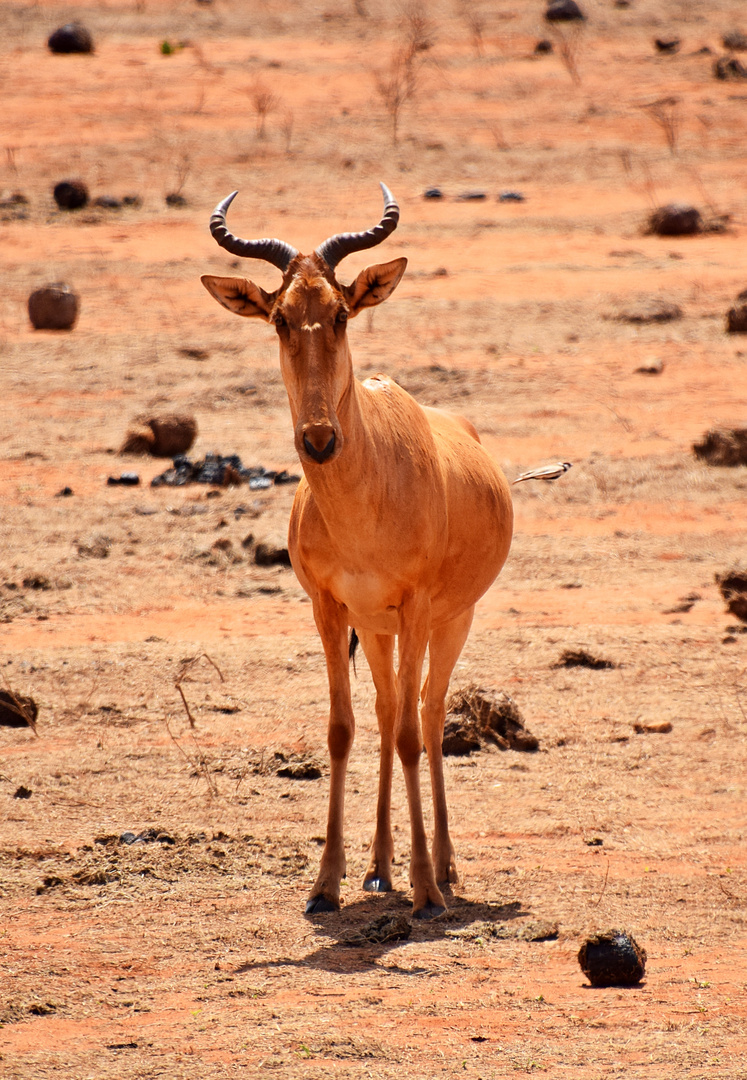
column 543, row 47
column 652, row 367
column 735, row 40
column 37, row 581
column 125, row 479
column 613, row 958
column 476, row 716
column 581, row 658
column 284, row 477
column 733, row 586
column 652, row 310
column 433, row 193
column 70, row 38
column 53, row 307
column 16, row 198
column 17, row 711
column 723, row 446
column 22, row 792
column 131, row 200
column 729, row 68
column 175, row 199
column 736, row 319
column 675, row 219
column 511, row 196
column 70, row 194
column 667, row 45
column 472, row 196
column 271, row 553
column 563, row 11
column 108, row 202
column 64, row 493
column 168, row 435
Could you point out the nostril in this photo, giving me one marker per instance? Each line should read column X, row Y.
column 319, row 455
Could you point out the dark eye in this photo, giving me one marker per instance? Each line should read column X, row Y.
column 278, row 319
column 342, row 316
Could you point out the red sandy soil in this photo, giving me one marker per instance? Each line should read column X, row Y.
column 194, row 957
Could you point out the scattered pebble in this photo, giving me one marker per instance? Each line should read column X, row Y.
column 543, row 47
column 73, row 37
column 472, row 196
column 70, row 194
column 563, row 11
column 667, row 45
column 64, row 493
column 675, row 219
column 511, row 196
column 433, row 193
column 729, row 69
column 126, row 479
column 53, row 307
column 723, row 446
column 222, row 471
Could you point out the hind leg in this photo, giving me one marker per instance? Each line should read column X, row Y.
column 445, row 645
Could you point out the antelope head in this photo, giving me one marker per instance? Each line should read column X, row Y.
column 310, row 311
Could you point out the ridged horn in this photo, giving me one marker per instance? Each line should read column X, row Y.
column 337, row 247
column 271, row 251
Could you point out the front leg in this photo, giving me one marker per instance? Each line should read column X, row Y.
column 332, row 623
column 414, row 630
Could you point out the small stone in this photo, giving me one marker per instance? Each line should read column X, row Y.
column 563, row 11
column 736, row 319
column 511, row 196
column 53, row 307
column 73, row 37
column 667, row 45
column 723, row 446
column 612, row 958
column 175, row 199
column 735, row 40
column 433, row 193
column 543, row 47
column 675, row 219
column 108, row 202
column 22, row 792
column 71, row 194
column 271, row 553
column 125, row 479
column 64, row 493
column 472, row 196
column 729, row 69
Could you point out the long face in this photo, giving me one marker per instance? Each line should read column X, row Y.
column 310, row 317
column 310, row 314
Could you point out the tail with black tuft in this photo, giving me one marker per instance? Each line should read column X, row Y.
column 352, row 647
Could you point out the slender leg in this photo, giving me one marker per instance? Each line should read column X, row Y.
column 332, row 623
column 445, row 645
column 379, row 650
column 414, row 629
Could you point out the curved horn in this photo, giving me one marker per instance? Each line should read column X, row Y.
column 272, row 251
column 337, row 247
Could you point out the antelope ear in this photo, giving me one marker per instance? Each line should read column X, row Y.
column 241, row 296
column 373, row 285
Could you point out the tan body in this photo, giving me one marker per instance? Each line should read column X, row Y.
column 400, row 524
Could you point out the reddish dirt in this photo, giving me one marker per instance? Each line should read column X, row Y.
column 193, row 957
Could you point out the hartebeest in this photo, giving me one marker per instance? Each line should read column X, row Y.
column 400, row 524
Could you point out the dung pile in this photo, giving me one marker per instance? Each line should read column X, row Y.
column 221, row 471
column 477, row 717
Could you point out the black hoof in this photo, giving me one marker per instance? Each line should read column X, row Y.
column 430, row 911
column 377, row 884
column 317, row 904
